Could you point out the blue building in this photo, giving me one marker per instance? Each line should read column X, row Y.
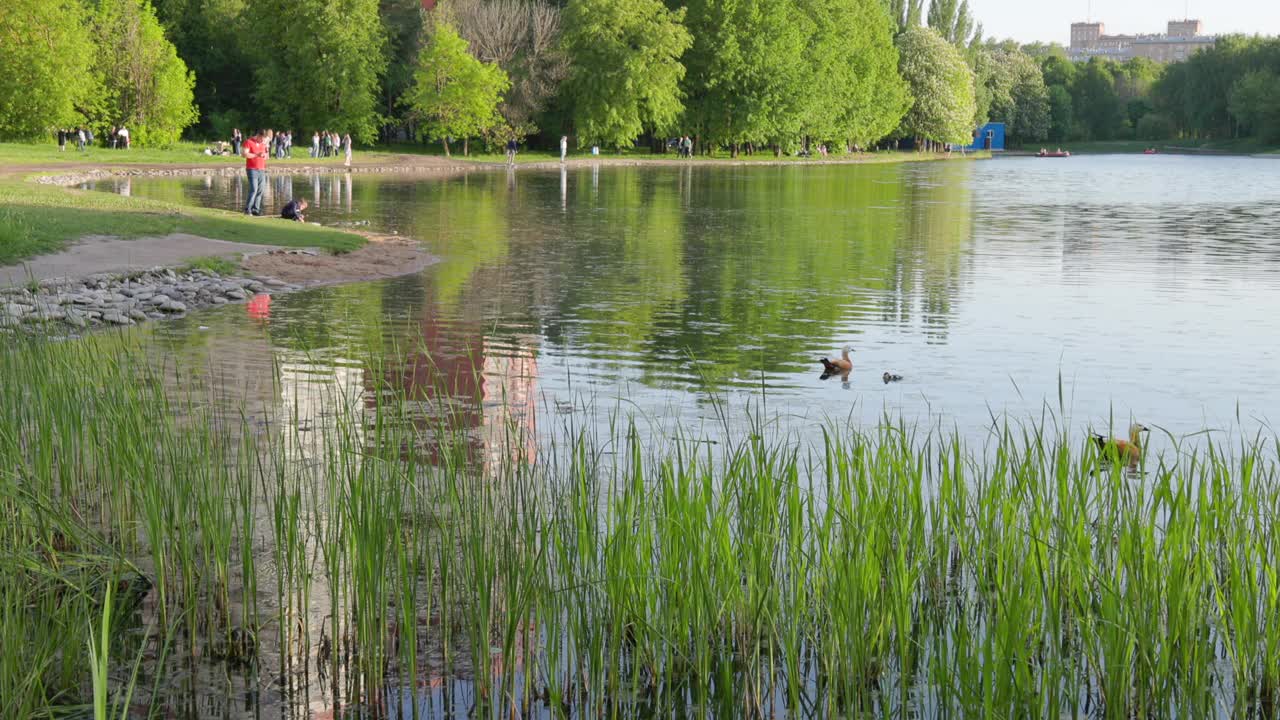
column 988, row 137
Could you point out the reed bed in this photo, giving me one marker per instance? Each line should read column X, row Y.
column 370, row 549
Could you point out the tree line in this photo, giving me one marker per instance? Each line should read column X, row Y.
column 742, row 75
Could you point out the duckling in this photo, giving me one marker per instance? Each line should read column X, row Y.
column 838, row 367
column 889, row 377
column 1128, row 450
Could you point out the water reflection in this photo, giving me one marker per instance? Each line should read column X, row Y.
column 994, row 287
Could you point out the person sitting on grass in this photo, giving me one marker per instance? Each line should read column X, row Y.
column 293, row 210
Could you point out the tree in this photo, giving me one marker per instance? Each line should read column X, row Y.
column 402, row 26
column 144, row 84
column 523, row 38
column 747, row 71
column 905, row 14
column 954, row 22
column 454, row 94
column 626, row 69
column 210, row 37
column 941, row 85
column 1060, row 113
column 1254, row 101
column 318, row 63
column 1019, row 96
column 1095, row 100
column 46, row 53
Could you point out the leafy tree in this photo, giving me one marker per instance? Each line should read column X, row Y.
column 1254, row 101
column 144, row 84
column 855, row 93
column 454, row 94
column 402, row 26
column 1060, row 113
column 954, row 22
column 208, row 37
column 905, row 14
column 626, row 69
column 941, row 85
column 746, row 71
column 1095, row 100
column 46, row 53
column 318, row 63
column 1019, row 96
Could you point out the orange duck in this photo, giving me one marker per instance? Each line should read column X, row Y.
column 838, row 367
column 1130, row 451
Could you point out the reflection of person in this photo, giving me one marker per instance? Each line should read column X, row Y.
column 564, row 146
column 255, row 154
column 293, row 210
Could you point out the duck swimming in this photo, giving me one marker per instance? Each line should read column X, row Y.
column 1129, row 450
column 838, row 367
column 889, row 377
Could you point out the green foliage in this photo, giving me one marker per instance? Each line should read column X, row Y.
column 1096, row 102
column 626, row 71
column 402, row 24
column 454, row 94
column 209, row 37
column 1154, row 126
column 318, row 63
column 1196, row 95
column 941, row 85
column 144, row 85
column 855, row 94
column 1019, row 97
column 954, row 22
column 1254, row 101
column 46, row 53
column 905, row 14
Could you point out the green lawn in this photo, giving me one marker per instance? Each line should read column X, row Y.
column 37, row 219
column 47, row 154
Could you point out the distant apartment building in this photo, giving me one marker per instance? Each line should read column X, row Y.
column 1182, row 39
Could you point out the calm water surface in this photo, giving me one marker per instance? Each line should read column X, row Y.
column 1112, row 287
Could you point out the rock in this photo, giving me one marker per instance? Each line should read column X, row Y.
column 80, row 299
column 236, row 294
column 174, row 306
column 17, row 310
column 159, row 300
column 116, row 318
column 217, row 300
column 138, row 315
column 8, row 321
column 76, row 320
column 143, row 295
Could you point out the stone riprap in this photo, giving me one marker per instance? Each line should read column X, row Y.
column 121, row 300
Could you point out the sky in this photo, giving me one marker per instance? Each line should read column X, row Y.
column 1050, row 20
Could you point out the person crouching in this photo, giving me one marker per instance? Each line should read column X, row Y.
column 293, row 210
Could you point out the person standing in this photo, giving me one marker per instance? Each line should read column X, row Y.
column 124, row 137
column 315, row 144
column 80, row 139
column 62, row 140
column 236, row 139
column 346, row 147
column 564, row 147
column 256, row 150
column 511, row 151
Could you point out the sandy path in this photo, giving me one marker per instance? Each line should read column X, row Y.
column 98, row 254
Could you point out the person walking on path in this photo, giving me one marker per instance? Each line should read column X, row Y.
column 80, row 139
column 124, row 137
column 236, row 139
column 256, row 150
column 564, row 147
column 511, row 151
column 346, row 147
column 62, row 141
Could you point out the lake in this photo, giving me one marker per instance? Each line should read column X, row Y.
column 1104, row 288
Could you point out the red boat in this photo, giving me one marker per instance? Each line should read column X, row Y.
column 1149, row 151
column 1059, row 153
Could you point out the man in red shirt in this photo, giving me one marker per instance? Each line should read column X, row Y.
column 255, row 152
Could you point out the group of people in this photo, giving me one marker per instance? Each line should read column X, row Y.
column 684, row 146
column 256, row 149
column 324, row 143
column 83, row 137
column 328, row 144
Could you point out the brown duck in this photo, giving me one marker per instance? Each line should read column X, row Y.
column 1129, row 451
column 838, row 367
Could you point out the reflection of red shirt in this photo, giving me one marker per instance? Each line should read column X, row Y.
column 254, row 146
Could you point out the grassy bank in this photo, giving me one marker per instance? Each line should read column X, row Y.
column 41, row 155
column 1246, row 146
column 888, row 572
column 37, row 219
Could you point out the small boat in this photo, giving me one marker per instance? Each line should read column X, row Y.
column 1058, row 153
column 1149, row 151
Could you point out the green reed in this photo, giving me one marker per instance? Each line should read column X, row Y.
column 875, row 572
